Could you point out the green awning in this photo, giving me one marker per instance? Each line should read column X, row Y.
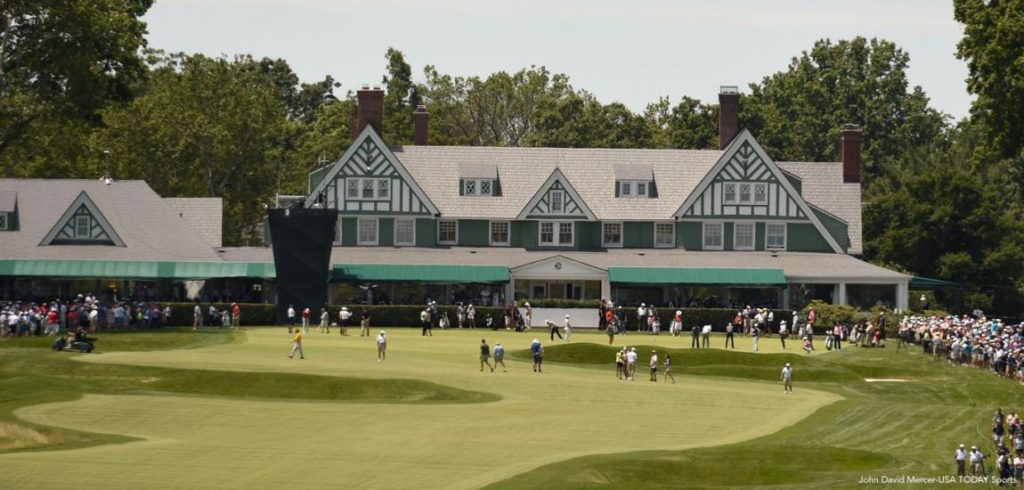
column 929, row 283
column 697, row 275
column 124, row 269
column 420, row 273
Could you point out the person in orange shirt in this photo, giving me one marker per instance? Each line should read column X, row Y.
column 297, row 345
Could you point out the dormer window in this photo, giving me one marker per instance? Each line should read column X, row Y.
column 634, row 188
column 477, row 187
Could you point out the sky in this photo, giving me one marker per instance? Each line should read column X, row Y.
column 627, row 51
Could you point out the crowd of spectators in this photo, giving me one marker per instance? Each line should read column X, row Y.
column 976, row 341
column 23, row 319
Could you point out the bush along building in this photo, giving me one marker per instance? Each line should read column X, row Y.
column 710, row 228
column 680, row 227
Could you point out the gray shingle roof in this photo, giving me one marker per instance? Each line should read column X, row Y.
column 592, row 172
column 149, row 227
column 204, row 214
column 522, row 170
column 823, row 186
column 8, row 198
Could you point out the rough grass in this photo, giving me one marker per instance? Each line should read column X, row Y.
column 880, row 429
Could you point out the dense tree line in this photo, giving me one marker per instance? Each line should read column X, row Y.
column 81, row 94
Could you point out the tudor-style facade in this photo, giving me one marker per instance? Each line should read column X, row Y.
column 544, row 202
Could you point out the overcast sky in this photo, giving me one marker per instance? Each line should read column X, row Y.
column 628, row 51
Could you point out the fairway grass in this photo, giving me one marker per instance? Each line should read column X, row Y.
column 174, row 441
column 226, row 410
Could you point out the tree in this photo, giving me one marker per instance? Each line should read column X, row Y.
column 946, row 221
column 497, row 111
column 691, row 124
column 797, row 114
column 578, row 120
column 993, row 47
column 400, row 99
column 65, row 60
column 204, row 127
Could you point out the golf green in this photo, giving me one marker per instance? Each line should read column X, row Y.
column 177, row 439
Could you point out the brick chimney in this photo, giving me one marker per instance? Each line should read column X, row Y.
column 420, row 118
column 371, row 107
column 850, row 151
column 728, row 114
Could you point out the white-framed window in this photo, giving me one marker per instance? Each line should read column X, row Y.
column 745, row 193
column 477, row 187
column 337, row 232
column 775, row 236
column 760, row 193
column 447, row 232
column 405, row 232
column 729, row 190
column 664, row 234
column 501, row 232
column 556, row 233
column 611, row 234
column 565, row 232
column 712, row 235
column 367, row 231
column 3, row 222
column 743, row 236
column 367, row 189
column 557, row 200
column 82, row 227
column 634, row 188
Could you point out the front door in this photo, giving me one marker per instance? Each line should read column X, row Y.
column 539, row 290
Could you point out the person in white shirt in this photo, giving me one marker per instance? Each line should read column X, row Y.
column 197, row 317
column 325, row 321
column 782, row 332
column 631, row 358
column 343, row 317
column 382, row 347
column 654, row 366
column 787, row 379
column 291, row 318
column 567, row 328
column 705, row 337
column 977, row 466
column 961, row 461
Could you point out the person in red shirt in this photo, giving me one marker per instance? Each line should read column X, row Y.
column 305, row 320
column 236, row 315
column 51, row 323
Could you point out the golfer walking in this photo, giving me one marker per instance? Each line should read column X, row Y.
column 538, row 354
column 499, row 356
column 654, row 366
column 382, row 347
column 485, row 355
column 787, row 379
column 297, row 345
column 668, row 369
column 291, row 318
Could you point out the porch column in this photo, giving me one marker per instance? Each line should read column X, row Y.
column 903, row 295
column 510, row 289
column 841, row 294
column 606, row 288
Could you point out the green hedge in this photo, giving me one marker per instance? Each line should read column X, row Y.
column 252, row 313
column 562, row 303
column 381, row 315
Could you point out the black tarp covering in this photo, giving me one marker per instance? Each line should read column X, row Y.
column 302, row 240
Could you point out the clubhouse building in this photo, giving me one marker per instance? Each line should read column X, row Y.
column 484, row 224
